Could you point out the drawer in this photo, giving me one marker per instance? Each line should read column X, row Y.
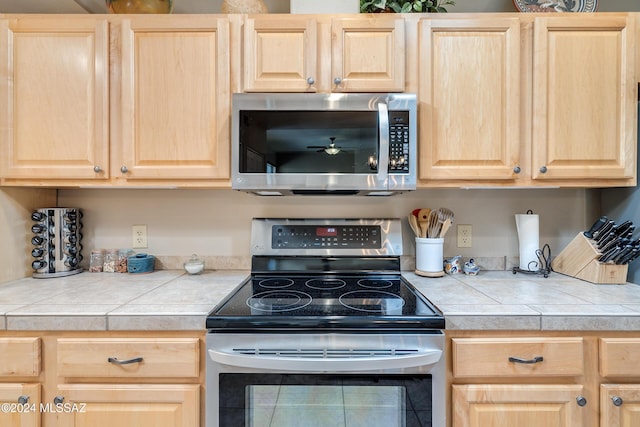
column 128, row 357
column 491, row 357
column 19, row 357
column 620, row 357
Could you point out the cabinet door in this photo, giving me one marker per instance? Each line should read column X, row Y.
column 20, row 405
column 54, row 98
column 470, row 99
column 619, row 405
column 368, row 55
column 92, row 405
column 584, row 98
column 280, row 54
column 174, row 99
column 516, row 405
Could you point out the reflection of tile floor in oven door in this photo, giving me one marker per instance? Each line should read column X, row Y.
column 321, row 406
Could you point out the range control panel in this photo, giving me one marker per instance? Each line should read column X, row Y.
column 325, row 236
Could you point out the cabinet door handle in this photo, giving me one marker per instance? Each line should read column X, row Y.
column 58, row 400
column 536, row 359
column 617, row 400
column 124, row 169
column 117, row 361
column 517, row 169
column 337, row 81
column 23, row 399
column 543, row 169
column 310, row 81
column 581, row 401
column 97, row 169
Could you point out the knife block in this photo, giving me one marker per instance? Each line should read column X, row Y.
column 580, row 260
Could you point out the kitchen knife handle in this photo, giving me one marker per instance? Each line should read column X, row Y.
column 608, row 227
column 600, row 222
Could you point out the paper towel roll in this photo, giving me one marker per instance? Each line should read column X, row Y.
column 529, row 238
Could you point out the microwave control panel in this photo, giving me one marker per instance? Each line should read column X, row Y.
column 325, row 236
column 399, row 142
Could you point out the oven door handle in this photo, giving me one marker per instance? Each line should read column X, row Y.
column 333, row 364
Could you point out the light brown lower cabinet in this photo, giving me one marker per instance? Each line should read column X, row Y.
column 503, row 369
column 548, row 379
column 105, row 379
column 620, row 391
column 521, row 405
column 20, row 405
column 102, row 405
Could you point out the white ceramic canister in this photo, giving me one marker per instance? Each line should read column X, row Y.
column 429, row 257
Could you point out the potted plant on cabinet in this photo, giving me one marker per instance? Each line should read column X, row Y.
column 405, row 6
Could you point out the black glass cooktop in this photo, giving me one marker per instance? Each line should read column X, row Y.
column 345, row 302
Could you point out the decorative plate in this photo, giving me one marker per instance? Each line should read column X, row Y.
column 556, row 5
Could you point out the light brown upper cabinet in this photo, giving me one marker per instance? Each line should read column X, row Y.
column 531, row 100
column 470, row 99
column 54, row 98
column 584, row 99
column 289, row 53
column 170, row 116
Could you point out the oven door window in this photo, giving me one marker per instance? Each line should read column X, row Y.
column 302, row 142
column 293, row 400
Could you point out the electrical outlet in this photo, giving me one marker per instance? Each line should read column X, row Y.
column 464, row 235
column 139, row 236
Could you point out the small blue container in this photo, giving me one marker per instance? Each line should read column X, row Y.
column 140, row 263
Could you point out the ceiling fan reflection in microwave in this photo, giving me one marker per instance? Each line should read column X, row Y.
column 332, row 149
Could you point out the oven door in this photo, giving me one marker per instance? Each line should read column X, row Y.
column 280, row 380
column 324, row 400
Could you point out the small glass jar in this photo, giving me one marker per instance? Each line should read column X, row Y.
column 96, row 261
column 110, row 261
column 121, row 265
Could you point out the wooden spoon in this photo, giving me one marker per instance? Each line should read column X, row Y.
column 413, row 222
column 424, row 216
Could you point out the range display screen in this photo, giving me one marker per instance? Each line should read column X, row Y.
column 326, row 231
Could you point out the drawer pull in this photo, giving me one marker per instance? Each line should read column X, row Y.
column 58, row 400
column 581, row 401
column 536, row 359
column 116, row 361
column 23, row 400
column 617, row 401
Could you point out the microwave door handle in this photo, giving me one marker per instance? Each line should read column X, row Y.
column 383, row 129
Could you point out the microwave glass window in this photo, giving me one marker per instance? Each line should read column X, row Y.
column 309, row 141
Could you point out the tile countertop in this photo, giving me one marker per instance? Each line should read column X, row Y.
column 173, row 300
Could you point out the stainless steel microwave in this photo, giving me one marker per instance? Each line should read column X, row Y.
column 284, row 144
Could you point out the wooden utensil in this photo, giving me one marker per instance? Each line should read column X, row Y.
column 413, row 223
column 445, row 227
column 434, row 227
column 424, row 216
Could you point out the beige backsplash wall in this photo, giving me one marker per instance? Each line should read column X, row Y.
column 16, row 205
column 216, row 223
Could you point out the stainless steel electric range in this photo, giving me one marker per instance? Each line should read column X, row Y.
column 325, row 332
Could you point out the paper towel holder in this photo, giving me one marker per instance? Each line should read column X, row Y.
column 544, row 261
column 543, row 264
